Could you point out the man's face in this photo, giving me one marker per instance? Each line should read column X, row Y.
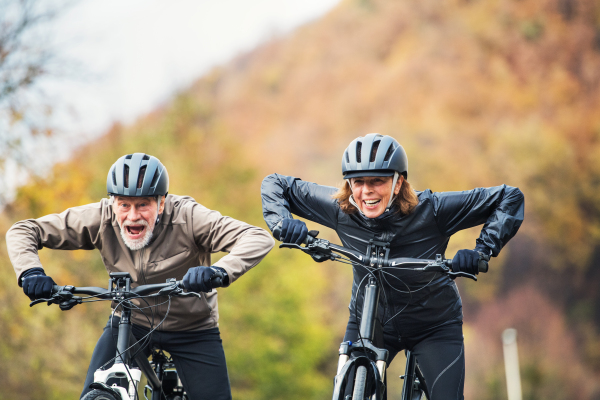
column 373, row 193
column 136, row 217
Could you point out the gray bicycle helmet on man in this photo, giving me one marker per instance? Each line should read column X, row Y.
column 137, row 175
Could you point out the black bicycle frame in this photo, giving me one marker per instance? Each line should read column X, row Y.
column 125, row 338
column 363, row 350
column 120, row 291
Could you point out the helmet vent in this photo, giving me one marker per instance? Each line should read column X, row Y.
column 358, row 151
column 374, row 150
column 126, row 176
column 347, row 157
column 114, row 176
column 389, row 153
column 128, row 156
column 154, row 179
column 141, row 177
column 146, row 157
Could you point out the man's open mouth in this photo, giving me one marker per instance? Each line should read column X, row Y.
column 136, row 234
column 135, row 231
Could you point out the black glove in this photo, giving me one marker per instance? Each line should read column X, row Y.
column 467, row 261
column 293, row 231
column 198, row 279
column 36, row 285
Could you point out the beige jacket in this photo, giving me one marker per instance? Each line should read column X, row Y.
column 184, row 238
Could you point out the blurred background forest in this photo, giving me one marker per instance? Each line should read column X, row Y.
column 479, row 93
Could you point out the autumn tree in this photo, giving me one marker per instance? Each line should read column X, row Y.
column 26, row 58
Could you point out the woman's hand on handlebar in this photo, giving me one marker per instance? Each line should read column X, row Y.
column 293, row 231
column 469, row 261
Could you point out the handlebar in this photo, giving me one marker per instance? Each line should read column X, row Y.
column 64, row 295
column 322, row 250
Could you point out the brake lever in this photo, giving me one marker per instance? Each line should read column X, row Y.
column 435, row 267
column 317, row 250
column 38, row 301
column 291, row 246
column 169, row 290
column 454, row 275
column 187, row 294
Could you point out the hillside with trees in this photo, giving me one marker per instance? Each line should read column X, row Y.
column 479, row 93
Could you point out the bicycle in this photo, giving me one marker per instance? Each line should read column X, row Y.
column 163, row 380
column 362, row 365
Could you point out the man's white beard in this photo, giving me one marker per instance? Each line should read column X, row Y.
column 138, row 243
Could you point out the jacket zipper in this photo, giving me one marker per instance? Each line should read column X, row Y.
column 142, row 253
column 141, row 266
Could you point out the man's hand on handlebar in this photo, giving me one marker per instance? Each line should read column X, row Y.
column 293, row 231
column 36, row 285
column 204, row 279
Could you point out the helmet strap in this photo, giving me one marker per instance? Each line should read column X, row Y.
column 158, row 199
column 351, row 199
column 353, row 202
column 393, row 196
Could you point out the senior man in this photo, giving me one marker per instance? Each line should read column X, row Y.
column 152, row 235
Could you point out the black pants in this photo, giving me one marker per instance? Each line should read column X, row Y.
column 439, row 352
column 198, row 357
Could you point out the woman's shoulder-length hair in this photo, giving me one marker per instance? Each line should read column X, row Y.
column 405, row 201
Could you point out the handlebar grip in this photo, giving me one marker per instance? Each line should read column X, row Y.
column 483, row 266
column 38, row 301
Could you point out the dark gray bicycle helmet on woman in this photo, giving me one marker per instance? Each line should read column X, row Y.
column 137, row 175
column 375, row 155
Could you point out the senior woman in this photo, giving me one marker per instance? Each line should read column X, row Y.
column 376, row 202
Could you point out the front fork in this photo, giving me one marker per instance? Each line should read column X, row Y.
column 377, row 254
column 365, row 343
column 345, row 356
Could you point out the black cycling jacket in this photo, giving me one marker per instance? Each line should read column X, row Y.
column 411, row 301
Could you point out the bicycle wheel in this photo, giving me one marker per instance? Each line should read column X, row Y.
column 360, row 383
column 418, row 395
column 98, row 394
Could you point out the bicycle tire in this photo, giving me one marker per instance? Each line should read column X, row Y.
column 419, row 395
column 98, row 394
column 360, row 383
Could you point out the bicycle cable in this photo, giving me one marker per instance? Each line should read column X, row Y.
column 145, row 340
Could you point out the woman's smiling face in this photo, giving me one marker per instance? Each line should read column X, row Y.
column 372, row 193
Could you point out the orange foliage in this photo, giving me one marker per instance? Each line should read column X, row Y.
column 479, row 93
